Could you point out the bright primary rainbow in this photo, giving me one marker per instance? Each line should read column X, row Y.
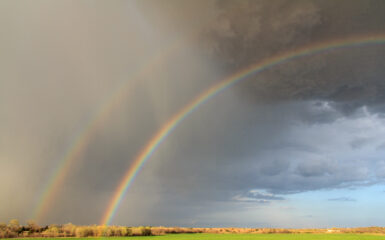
column 83, row 138
column 171, row 124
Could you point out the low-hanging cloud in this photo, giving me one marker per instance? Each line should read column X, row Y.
column 342, row 199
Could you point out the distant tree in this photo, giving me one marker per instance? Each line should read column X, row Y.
column 146, row 231
column 32, row 227
column 52, row 231
column 69, row 230
column 3, row 226
column 14, row 223
column 14, row 226
column 83, row 231
column 80, row 232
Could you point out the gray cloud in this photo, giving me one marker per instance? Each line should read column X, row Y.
column 314, row 168
column 360, row 142
column 257, row 196
column 342, row 199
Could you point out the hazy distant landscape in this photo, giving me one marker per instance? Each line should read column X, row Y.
column 15, row 230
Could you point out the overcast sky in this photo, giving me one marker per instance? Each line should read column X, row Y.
column 299, row 145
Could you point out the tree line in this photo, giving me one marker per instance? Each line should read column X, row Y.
column 14, row 230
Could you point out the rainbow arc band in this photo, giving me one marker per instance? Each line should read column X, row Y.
column 172, row 123
column 83, row 138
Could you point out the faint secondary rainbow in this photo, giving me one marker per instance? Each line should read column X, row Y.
column 172, row 123
column 83, row 138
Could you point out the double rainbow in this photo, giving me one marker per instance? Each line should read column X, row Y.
column 83, row 138
column 171, row 124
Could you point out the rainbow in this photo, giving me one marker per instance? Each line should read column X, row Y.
column 172, row 123
column 81, row 141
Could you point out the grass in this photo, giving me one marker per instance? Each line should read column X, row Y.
column 206, row 236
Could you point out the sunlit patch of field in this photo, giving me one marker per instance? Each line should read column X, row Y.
column 206, row 236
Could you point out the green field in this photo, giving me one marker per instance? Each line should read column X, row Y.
column 241, row 237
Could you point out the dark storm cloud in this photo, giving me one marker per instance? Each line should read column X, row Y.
column 252, row 30
column 251, row 146
column 322, row 89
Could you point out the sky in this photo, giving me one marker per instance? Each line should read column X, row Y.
column 298, row 145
